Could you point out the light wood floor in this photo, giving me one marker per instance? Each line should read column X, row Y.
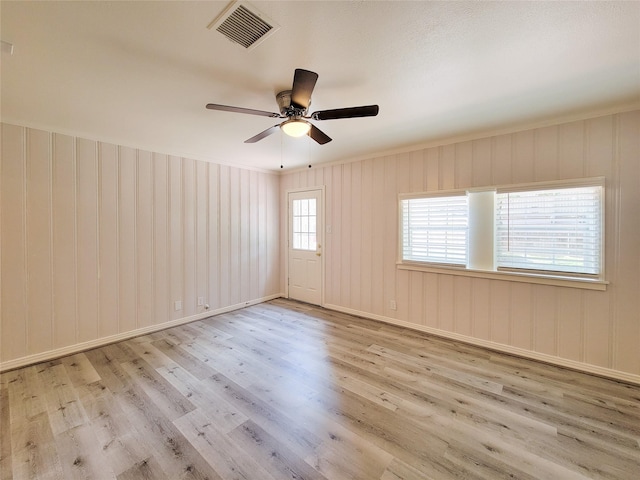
column 283, row 390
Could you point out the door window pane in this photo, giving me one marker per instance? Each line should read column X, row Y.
column 304, row 224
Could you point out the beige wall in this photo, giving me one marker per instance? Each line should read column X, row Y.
column 99, row 240
column 599, row 331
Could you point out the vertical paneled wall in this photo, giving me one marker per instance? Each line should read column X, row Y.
column 99, row 240
column 591, row 327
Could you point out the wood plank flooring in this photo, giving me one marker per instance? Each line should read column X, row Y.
column 284, row 390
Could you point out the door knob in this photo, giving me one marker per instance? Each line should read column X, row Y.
column 318, row 254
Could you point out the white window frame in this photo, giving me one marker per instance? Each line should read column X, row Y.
column 447, row 259
column 562, row 218
column 482, row 239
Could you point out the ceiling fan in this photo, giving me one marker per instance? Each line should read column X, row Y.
column 294, row 105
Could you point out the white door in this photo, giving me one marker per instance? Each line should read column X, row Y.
column 305, row 248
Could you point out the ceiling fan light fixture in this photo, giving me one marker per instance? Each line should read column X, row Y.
column 295, row 127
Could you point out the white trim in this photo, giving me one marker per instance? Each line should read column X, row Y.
column 147, row 148
column 540, row 279
column 499, row 347
column 552, row 184
column 561, row 362
column 478, row 135
column 509, row 187
column 458, row 192
column 80, row 347
column 304, row 189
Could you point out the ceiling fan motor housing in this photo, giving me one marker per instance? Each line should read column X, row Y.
column 284, row 104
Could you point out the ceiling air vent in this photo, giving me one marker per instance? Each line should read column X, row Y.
column 244, row 24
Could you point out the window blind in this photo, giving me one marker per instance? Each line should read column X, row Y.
column 435, row 229
column 555, row 230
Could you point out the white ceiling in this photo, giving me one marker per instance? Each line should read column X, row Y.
column 140, row 73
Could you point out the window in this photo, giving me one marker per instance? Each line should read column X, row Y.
column 434, row 229
column 304, row 224
column 550, row 230
column 555, row 230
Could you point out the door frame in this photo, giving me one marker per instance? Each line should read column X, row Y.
column 321, row 238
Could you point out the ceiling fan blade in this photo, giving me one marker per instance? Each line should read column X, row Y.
column 250, row 111
column 304, row 82
column 350, row 112
column 318, row 135
column 262, row 135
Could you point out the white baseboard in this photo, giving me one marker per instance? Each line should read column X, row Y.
column 520, row 352
column 99, row 342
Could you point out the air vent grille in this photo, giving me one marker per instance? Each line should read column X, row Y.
column 244, row 25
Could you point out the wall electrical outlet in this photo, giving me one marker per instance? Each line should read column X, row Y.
column 177, row 305
column 393, row 305
column 200, row 301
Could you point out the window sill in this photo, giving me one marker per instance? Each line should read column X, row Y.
column 553, row 280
